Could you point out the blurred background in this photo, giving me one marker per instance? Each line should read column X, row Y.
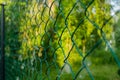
column 62, row 39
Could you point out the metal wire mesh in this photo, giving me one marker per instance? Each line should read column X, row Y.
column 44, row 37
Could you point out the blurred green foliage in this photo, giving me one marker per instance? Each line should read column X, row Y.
column 44, row 34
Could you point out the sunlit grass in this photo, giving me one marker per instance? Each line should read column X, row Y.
column 103, row 72
column 100, row 72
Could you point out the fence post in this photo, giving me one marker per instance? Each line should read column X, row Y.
column 2, row 69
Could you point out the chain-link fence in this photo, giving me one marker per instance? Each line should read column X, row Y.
column 59, row 39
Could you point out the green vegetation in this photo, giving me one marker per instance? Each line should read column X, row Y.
column 49, row 39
